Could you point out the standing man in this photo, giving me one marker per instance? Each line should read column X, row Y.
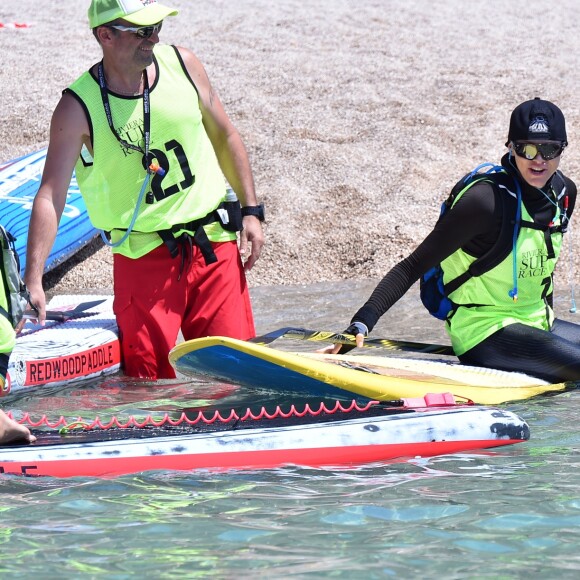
column 151, row 143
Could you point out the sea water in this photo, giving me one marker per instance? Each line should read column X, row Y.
column 513, row 512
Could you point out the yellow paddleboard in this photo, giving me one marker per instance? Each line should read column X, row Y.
column 345, row 377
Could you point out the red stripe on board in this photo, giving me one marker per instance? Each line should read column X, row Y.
column 74, row 366
column 319, row 457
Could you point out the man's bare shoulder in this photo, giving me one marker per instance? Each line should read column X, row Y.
column 69, row 104
column 186, row 53
column 69, row 115
column 191, row 62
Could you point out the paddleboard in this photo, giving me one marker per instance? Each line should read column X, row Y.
column 19, row 182
column 337, row 437
column 66, row 351
column 341, row 377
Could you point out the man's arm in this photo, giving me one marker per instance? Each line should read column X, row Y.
column 68, row 130
column 230, row 151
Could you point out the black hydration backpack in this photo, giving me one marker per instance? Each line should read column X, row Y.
column 17, row 296
column 434, row 293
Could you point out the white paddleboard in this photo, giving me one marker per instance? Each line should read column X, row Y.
column 62, row 352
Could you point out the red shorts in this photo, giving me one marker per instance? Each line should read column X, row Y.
column 152, row 305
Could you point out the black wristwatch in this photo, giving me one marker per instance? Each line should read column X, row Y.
column 255, row 210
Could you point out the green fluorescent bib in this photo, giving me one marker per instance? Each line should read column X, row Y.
column 495, row 309
column 111, row 179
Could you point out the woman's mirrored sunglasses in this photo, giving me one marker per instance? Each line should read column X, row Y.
column 546, row 150
column 140, row 31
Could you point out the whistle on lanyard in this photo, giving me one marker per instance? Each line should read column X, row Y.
column 154, row 167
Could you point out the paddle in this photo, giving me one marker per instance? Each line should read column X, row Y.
column 348, row 339
column 64, row 313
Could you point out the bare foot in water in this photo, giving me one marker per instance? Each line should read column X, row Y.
column 10, row 431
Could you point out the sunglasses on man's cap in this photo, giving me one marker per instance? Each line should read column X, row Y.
column 530, row 151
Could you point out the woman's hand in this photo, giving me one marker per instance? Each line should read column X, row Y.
column 360, row 332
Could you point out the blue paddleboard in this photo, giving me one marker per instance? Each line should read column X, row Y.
column 19, row 182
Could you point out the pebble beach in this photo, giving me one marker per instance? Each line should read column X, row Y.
column 358, row 116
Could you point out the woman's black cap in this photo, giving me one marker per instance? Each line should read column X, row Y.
column 537, row 120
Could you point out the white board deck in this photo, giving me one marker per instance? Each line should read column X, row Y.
column 62, row 352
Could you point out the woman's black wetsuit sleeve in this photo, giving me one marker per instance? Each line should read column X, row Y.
column 472, row 218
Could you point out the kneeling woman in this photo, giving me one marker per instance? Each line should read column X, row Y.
column 501, row 317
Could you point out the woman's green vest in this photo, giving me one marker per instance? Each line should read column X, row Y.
column 487, row 305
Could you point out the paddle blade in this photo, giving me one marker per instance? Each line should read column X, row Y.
column 64, row 313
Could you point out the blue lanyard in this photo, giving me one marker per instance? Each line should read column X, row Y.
column 127, row 145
